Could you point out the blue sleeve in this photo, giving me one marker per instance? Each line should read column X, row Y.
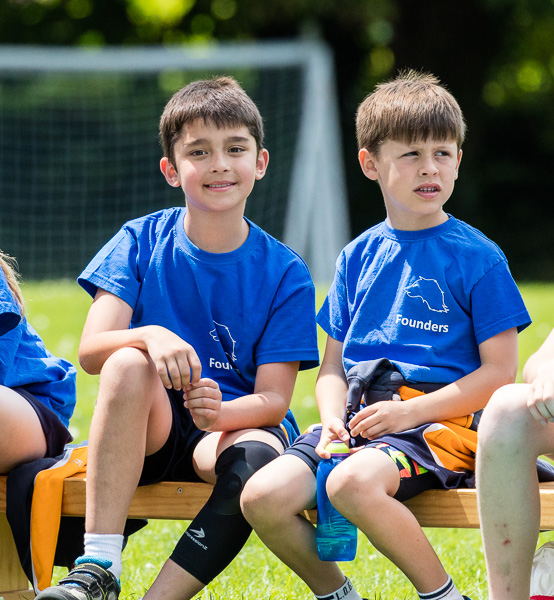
column 9, row 344
column 334, row 315
column 114, row 269
column 496, row 304
column 10, row 333
column 10, row 311
column 290, row 334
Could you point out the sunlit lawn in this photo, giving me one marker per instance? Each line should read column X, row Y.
column 58, row 310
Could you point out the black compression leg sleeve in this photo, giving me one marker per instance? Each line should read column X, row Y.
column 219, row 530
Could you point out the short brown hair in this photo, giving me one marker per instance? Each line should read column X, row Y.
column 220, row 101
column 414, row 106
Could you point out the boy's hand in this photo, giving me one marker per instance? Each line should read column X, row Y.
column 334, row 429
column 203, row 399
column 540, row 400
column 176, row 361
column 381, row 418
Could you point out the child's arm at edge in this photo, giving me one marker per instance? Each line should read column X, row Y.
column 107, row 330
column 539, row 372
column 469, row 394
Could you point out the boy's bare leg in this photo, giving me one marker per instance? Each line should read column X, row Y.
column 361, row 488
column 509, row 442
column 272, row 500
column 132, row 418
column 21, row 435
column 174, row 582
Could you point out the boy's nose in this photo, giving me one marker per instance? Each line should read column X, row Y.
column 219, row 163
column 428, row 168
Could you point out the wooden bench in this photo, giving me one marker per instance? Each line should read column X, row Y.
column 182, row 501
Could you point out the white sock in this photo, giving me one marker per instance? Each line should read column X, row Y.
column 446, row 592
column 106, row 546
column 345, row 592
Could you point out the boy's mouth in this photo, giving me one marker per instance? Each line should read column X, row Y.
column 219, row 185
column 428, row 189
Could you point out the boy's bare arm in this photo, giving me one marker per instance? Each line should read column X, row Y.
column 539, row 372
column 543, row 356
column 266, row 407
column 467, row 395
column 107, row 330
column 330, row 391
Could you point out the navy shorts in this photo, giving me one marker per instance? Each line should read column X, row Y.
column 56, row 433
column 173, row 462
column 414, row 478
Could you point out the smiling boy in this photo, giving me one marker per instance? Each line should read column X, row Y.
column 422, row 310
column 199, row 324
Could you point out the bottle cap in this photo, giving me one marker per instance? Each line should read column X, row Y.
column 337, row 447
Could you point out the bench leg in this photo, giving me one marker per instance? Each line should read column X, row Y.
column 14, row 584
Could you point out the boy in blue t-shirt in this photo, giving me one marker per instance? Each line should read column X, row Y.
column 199, row 324
column 422, row 309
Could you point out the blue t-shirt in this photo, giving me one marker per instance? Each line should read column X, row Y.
column 423, row 299
column 238, row 310
column 25, row 361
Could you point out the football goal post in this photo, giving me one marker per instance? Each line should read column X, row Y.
column 79, row 152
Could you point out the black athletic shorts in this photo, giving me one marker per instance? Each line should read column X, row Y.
column 173, row 462
column 414, row 478
column 56, row 433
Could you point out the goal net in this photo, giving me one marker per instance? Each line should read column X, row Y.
column 79, row 152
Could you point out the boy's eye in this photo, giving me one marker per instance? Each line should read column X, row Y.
column 236, row 149
column 198, row 153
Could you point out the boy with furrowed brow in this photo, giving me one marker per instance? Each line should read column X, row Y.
column 422, row 309
column 199, row 324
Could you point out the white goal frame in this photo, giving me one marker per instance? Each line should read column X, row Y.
column 317, row 221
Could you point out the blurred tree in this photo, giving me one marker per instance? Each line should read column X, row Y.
column 496, row 56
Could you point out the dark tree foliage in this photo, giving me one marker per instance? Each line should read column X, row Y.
column 496, row 56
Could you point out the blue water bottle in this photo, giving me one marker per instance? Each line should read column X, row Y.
column 336, row 536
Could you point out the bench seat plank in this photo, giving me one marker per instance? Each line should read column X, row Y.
column 182, row 501
column 177, row 500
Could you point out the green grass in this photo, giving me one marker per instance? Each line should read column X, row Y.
column 58, row 310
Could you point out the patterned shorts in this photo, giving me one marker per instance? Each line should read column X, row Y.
column 414, row 478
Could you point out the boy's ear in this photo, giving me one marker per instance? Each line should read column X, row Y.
column 367, row 162
column 170, row 173
column 261, row 163
column 458, row 163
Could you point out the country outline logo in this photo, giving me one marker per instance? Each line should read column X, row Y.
column 215, row 336
column 430, row 293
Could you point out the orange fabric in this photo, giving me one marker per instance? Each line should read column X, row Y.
column 46, row 512
column 452, row 442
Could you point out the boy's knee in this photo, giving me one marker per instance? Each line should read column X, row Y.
column 260, row 498
column 127, row 366
column 343, row 486
column 506, row 421
column 356, row 483
column 506, row 411
column 129, row 382
column 234, row 468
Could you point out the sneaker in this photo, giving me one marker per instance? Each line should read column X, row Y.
column 89, row 580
